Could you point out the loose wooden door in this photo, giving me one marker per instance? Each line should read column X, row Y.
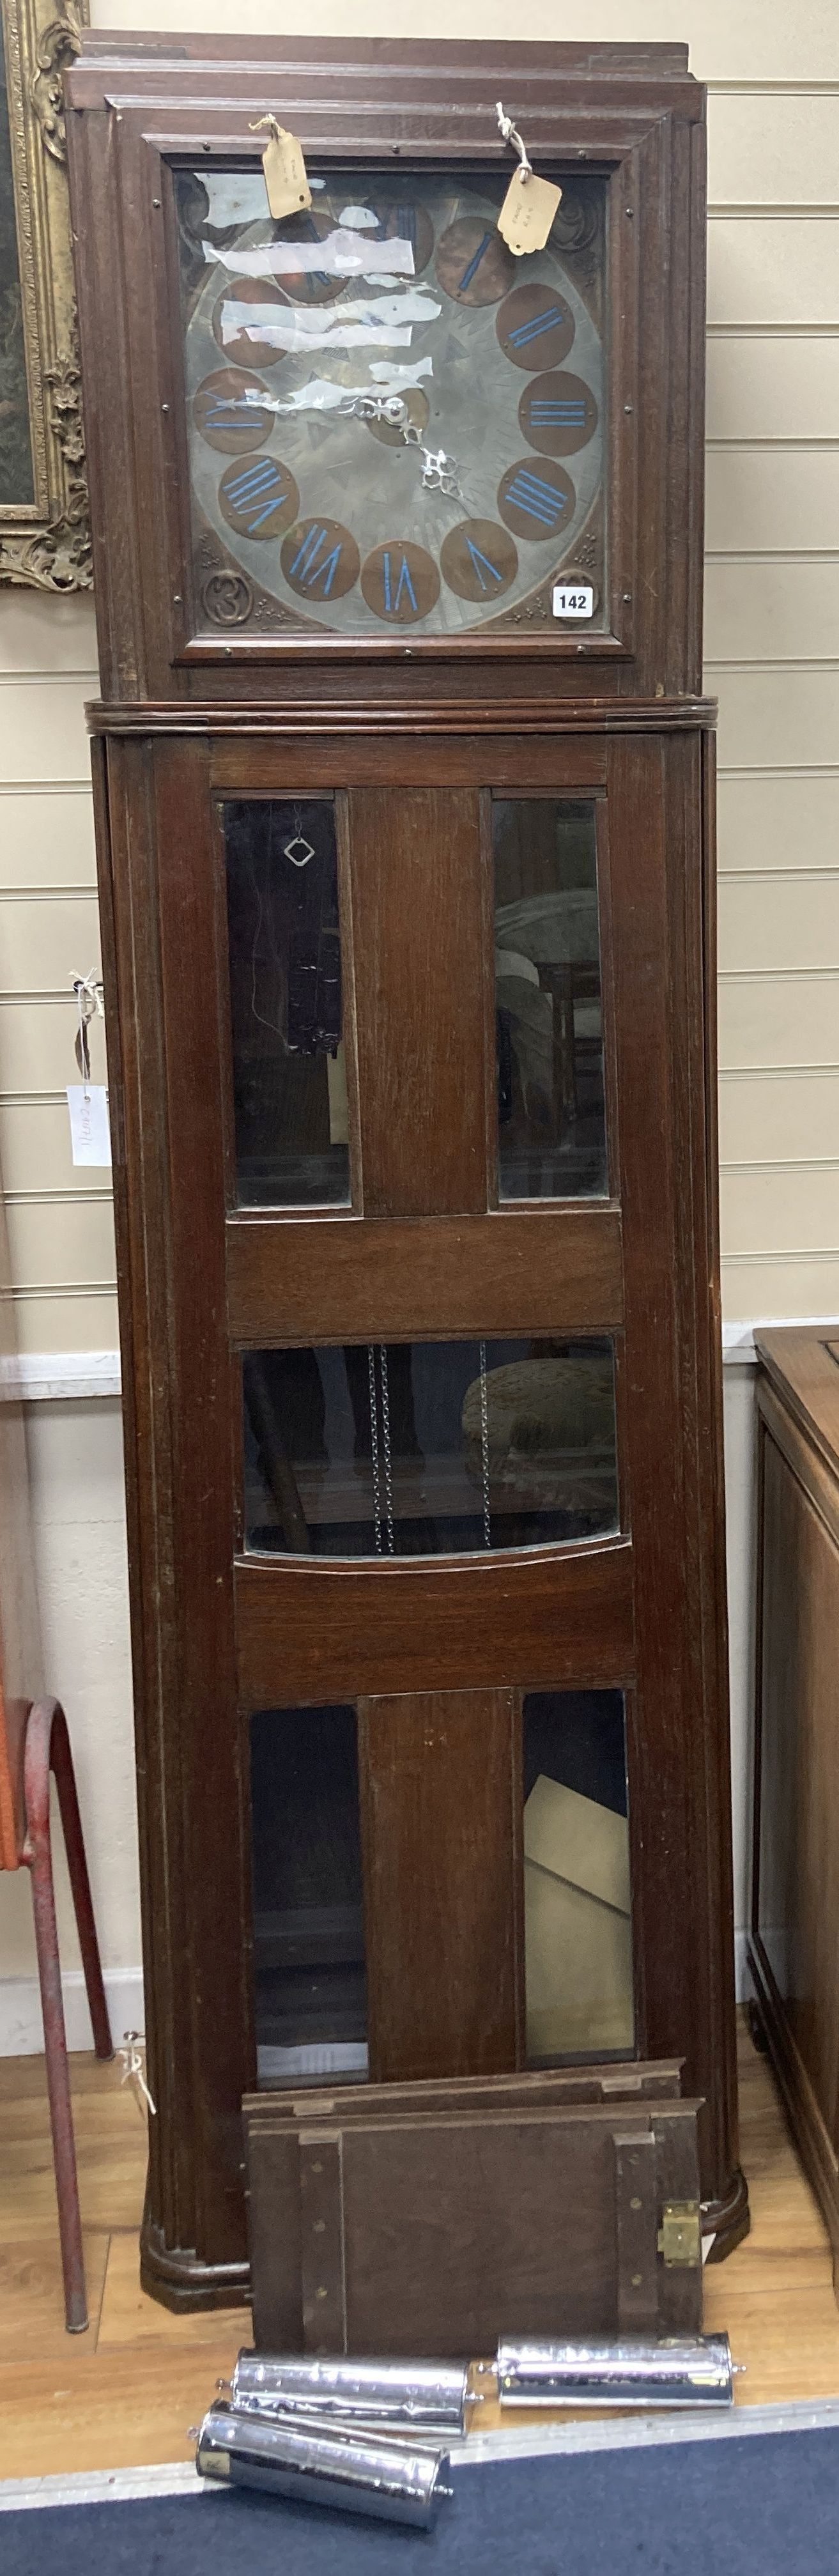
column 442, row 1555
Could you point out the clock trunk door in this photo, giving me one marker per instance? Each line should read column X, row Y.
column 434, row 1237
column 424, row 1199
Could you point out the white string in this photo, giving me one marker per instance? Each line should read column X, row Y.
column 133, row 2071
column 511, row 135
column 89, row 997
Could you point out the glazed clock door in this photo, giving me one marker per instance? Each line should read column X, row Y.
column 451, row 1667
column 390, row 428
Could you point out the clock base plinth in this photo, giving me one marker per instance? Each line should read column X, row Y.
column 729, row 2218
column 177, row 2278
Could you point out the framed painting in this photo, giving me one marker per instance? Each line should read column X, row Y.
column 44, row 534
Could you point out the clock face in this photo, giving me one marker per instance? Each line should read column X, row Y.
column 394, row 424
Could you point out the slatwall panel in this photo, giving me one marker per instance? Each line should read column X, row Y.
column 773, row 658
column 60, row 1221
column 772, row 645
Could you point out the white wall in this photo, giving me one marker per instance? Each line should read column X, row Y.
column 772, row 630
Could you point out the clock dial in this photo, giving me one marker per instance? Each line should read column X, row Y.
column 379, row 406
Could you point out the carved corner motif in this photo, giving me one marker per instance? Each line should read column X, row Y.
column 44, row 535
column 56, row 48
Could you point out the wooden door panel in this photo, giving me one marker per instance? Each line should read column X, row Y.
column 324, row 1279
column 440, row 1828
column 282, row 760
column 415, row 862
column 311, row 1630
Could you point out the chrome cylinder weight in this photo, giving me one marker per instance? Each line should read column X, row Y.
column 417, row 2396
column 689, row 2370
column 350, row 2470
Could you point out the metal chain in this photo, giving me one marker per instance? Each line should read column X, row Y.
column 374, row 1446
column 386, row 1447
column 482, row 1357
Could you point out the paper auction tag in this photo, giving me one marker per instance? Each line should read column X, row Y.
column 90, row 1134
column 528, row 211
column 285, row 170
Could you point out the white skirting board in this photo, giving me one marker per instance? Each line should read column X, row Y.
column 45, row 1377
column 21, row 2027
column 21, row 2030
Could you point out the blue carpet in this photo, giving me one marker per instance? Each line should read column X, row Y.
column 766, row 2505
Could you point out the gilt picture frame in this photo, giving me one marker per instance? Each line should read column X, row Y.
column 44, row 530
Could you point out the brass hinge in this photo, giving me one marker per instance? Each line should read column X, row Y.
column 679, row 2236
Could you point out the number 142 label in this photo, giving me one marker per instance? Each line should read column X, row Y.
column 573, row 599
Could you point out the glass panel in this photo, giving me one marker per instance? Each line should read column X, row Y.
column 309, row 1966
column 388, row 426
column 422, row 1448
column 289, row 1074
column 549, row 1015
column 577, row 1900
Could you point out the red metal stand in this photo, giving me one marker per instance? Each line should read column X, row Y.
column 47, row 1748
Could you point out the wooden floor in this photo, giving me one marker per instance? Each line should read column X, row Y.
column 128, row 2390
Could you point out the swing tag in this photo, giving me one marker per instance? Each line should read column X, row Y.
column 285, row 170
column 528, row 211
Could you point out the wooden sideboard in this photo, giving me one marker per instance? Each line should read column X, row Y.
column 794, row 1943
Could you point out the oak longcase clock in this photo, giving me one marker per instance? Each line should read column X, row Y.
column 405, row 831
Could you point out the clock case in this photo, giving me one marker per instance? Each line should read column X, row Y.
column 426, row 726
column 631, row 115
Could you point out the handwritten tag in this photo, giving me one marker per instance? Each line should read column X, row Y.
column 528, row 211
column 285, row 171
column 90, row 1133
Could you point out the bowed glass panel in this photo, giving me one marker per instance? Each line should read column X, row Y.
column 429, row 1448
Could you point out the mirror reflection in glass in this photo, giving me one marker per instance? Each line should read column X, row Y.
column 289, row 1076
column 577, row 1901
column 548, row 1000
column 422, row 1448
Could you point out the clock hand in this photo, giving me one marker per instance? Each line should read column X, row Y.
column 439, row 471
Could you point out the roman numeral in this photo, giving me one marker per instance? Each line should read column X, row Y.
column 482, row 564
column 306, row 566
column 535, row 498
column 533, row 329
column 474, row 263
column 229, row 415
column 257, row 491
column 564, row 415
column 404, row 583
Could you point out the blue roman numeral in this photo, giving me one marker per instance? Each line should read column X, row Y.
column 533, row 329
column 482, row 564
column 226, row 415
column 404, row 583
column 474, row 264
column 535, row 498
column 256, row 492
column 562, row 415
column 306, row 564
